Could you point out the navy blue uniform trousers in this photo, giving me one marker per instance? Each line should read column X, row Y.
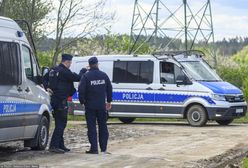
column 60, row 117
column 101, row 117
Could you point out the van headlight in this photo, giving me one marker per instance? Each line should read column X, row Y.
column 218, row 97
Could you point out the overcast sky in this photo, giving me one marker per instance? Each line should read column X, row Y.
column 230, row 17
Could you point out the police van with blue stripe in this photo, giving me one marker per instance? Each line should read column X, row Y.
column 25, row 113
column 167, row 84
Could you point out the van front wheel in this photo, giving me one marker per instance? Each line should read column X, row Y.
column 126, row 120
column 41, row 138
column 197, row 116
column 224, row 122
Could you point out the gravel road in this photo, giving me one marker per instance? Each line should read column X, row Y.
column 141, row 145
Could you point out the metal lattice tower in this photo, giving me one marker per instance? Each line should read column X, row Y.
column 173, row 21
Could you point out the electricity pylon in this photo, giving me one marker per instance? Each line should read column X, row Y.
column 189, row 21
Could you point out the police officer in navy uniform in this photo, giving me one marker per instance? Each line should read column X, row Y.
column 63, row 89
column 94, row 89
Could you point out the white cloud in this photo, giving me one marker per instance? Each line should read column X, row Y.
column 229, row 21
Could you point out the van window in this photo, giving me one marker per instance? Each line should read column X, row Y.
column 36, row 69
column 30, row 65
column 133, row 72
column 27, row 62
column 10, row 63
column 169, row 72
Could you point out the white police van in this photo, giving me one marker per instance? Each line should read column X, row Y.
column 173, row 85
column 24, row 105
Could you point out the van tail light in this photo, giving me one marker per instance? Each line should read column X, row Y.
column 69, row 99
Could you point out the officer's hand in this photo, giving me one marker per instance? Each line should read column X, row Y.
column 83, row 70
column 108, row 106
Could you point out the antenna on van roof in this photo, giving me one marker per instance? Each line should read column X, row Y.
column 174, row 53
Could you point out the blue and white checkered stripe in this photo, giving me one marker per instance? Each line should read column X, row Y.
column 14, row 108
column 143, row 97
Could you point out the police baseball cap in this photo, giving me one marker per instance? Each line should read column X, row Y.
column 93, row 61
column 66, row 57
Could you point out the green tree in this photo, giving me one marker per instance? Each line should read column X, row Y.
column 45, row 58
column 33, row 11
column 242, row 56
column 108, row 44
column 78, row 19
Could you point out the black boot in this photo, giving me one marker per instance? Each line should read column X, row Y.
column 56, row 150
column 91, row 152
column 65, row 149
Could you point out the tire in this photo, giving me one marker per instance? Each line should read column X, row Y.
column 224, row 122
column 197, row 116
column 126, row 120
column 42, row 135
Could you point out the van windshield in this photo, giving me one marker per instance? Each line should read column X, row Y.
column 200, row 71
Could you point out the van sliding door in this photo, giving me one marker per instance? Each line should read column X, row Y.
column 133, row 88
column 12, row 97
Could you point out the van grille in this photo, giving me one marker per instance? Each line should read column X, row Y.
column 235, row 98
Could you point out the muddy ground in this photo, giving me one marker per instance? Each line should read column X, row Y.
column 142, row 145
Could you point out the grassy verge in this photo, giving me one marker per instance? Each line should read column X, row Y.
column 242, row 120
column 245, row 163
column 76, row 118
column 82, row 118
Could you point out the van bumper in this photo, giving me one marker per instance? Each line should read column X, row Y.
column 216, row 113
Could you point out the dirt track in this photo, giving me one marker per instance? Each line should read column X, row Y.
column 141, row 145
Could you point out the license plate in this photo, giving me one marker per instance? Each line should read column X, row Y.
column 239, row 110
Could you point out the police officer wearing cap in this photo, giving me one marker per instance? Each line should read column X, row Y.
column 94, row 89
column 64, row 88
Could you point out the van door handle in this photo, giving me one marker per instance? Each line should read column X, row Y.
column 149, row 88
column 27, row 89
column 19, row 89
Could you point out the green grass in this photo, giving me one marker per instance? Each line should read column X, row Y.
column 245, row 163
column 76, row 118
column 82, row 118
column 242, row 120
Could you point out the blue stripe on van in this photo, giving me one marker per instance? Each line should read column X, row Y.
column 151, row 97
column 15, row 108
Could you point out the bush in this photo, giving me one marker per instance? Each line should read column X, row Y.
column 231, row 74
column 238, row 76
column 245, row 88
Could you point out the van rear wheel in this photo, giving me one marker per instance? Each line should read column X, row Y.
column 197, row 116
column 126, row 120
column 224, row 122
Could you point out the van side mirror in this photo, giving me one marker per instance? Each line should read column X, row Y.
column 45, row 70
column 183, row 80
